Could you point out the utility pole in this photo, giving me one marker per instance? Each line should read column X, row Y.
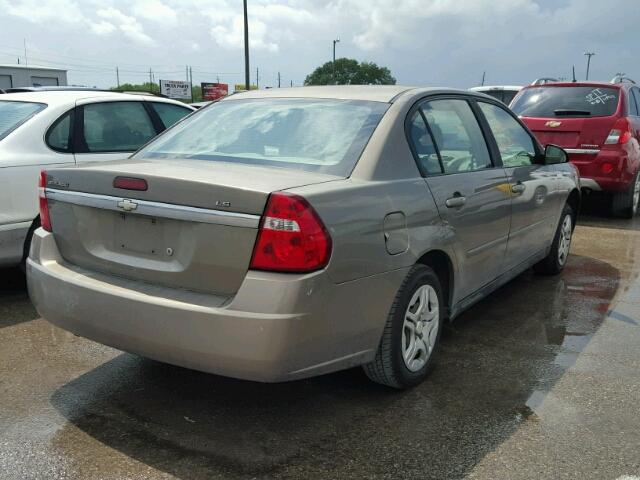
column 278, row 79
column 247, row 80
column 589, row 55
column 117, row 77
column 292, row 83
column 150, row 81
column 337, row 40
column 26, row 61
column 186, row 69
column 257, row 78
column 191, row 82
column 483, row 75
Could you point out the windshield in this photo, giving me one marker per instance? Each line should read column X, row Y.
column 548, row 101
column 13, row 114
column 318, row 135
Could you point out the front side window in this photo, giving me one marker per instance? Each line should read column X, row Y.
column 553, row 101
column 59, row 136
column 515, row 144
column 13, row 114
column 323, row 135
column 458, row 136
column 116, row 126
column 170, row 114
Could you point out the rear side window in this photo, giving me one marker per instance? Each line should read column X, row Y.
column 13, row 114
column 423, row 145
column 515, row 144
column 116, row 126
column 548, row 101
column 59, row 135
column 170, row 114
column 457, row 135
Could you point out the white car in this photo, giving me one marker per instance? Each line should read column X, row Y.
column 504, row 93
column 42, row 129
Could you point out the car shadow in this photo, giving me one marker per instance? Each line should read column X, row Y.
column 495, row 364
column 596, row 212
column 15, row 306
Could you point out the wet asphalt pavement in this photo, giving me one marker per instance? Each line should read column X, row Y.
column 540, row 380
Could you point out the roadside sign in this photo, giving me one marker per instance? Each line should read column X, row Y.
column 214, row 91
column 175, row 88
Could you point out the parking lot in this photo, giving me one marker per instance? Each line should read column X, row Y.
column 540, row 380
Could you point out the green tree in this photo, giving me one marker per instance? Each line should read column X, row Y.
column 347, row 71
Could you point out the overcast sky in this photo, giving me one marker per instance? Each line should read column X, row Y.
column 423, row 42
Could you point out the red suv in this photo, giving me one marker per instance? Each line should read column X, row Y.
column 598, row 124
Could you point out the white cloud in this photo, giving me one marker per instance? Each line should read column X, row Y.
column 155, row 11
column 40, row 11
column 102, row 27
column 129, row 26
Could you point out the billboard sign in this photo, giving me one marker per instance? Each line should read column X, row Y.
column 214, row 91
column 175, row 88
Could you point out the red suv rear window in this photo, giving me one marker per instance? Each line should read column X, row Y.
column 549, row 101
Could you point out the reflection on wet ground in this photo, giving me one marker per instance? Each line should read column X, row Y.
column 499, row 388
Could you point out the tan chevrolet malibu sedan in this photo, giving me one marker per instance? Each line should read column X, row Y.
column 287, row 233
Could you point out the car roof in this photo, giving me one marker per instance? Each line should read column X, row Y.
column 489, row 88
column 61, row 97
column 580, row 84
column 372, row 93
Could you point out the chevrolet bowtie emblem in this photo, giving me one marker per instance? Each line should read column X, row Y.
column 127, row 205
column 553, row 124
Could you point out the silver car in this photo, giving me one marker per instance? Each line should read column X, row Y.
column 287, row 233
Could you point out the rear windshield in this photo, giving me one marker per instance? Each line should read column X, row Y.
column 12, row 114
column 317, row 135
column 547, row 101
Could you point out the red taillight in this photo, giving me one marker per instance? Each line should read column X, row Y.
column 292, row 238
column 620, row 134
column 45, row 218
column 606, row 167
column 130, row 183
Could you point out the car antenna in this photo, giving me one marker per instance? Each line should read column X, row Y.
column 574, row 74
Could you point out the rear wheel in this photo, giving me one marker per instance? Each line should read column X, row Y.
column 412, row 332
column 27, row 243
column 625, row 204
column 556, row 260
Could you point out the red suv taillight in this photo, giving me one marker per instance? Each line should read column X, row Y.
column 620, row 134
column 292, row 238
column 45, row 218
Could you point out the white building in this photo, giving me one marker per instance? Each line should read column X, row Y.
column 31, row 76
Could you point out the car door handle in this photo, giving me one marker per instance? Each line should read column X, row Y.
column 518, row 187
column 456, row 201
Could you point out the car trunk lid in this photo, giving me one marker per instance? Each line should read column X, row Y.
column 194, row 227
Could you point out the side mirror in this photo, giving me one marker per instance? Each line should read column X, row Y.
column 554, row 154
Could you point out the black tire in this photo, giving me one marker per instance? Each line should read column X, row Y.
column 388, row 367
column 623, row 204
column 552, row 263
column 27, row 244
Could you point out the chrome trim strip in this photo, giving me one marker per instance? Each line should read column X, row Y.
column 588, row 151
column 156, row 209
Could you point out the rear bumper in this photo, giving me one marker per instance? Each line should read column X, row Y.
column 592, row 175
column 277, row 327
